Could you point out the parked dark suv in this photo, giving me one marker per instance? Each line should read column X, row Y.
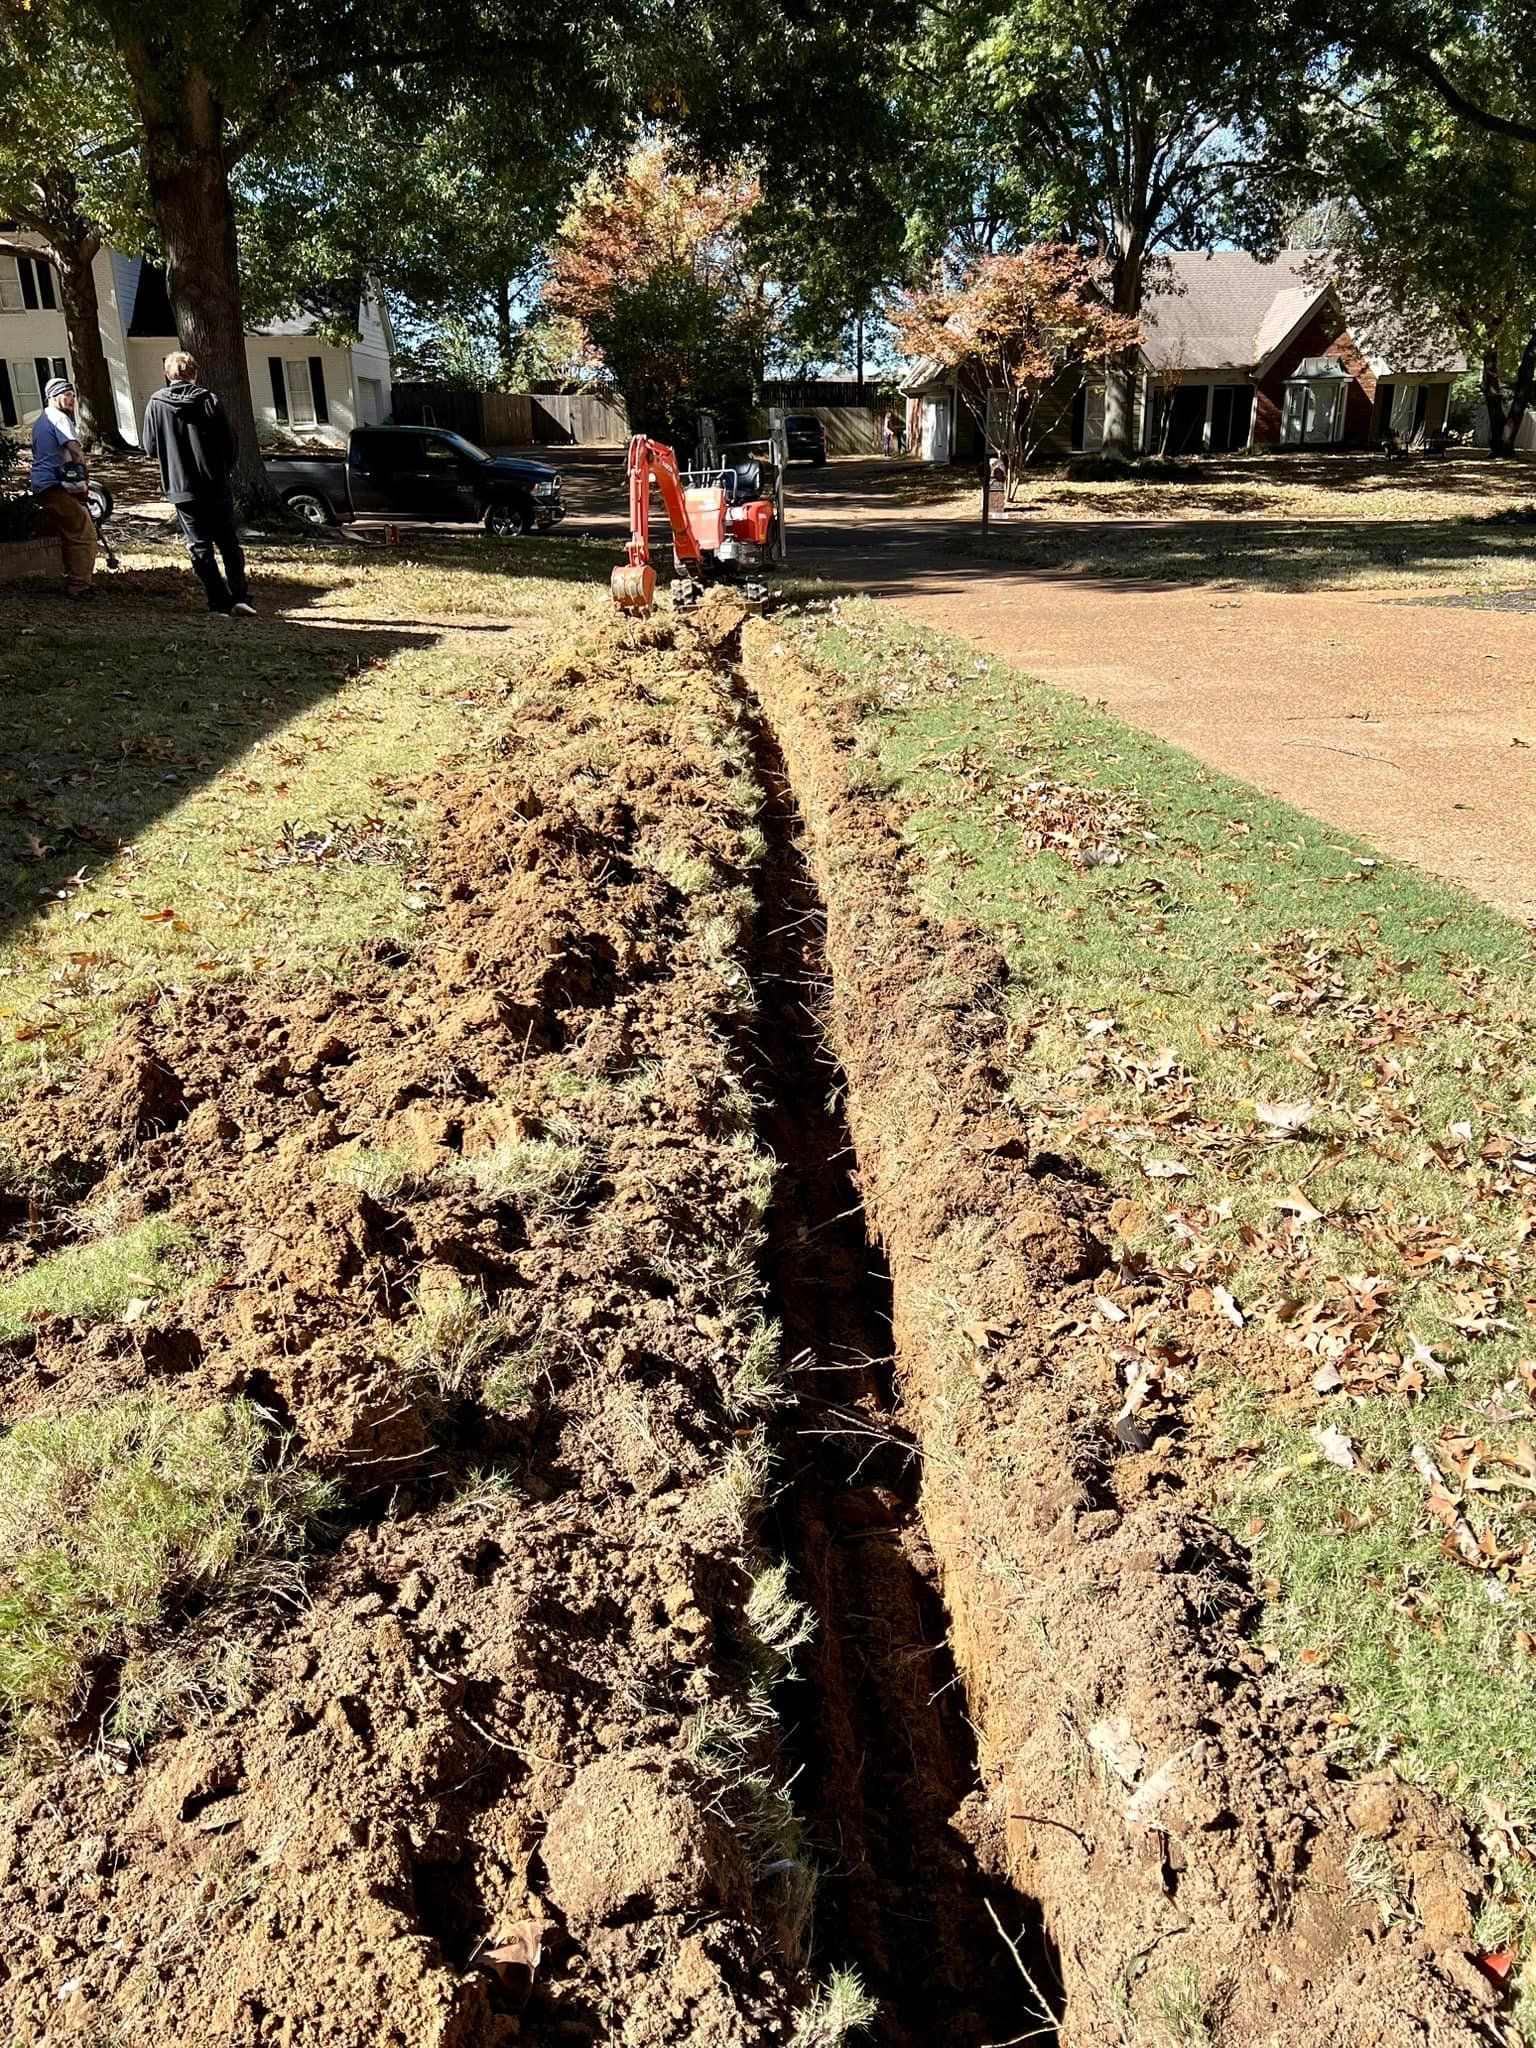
column 805, row 438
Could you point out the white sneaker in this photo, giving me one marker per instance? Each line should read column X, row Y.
column 245, row 611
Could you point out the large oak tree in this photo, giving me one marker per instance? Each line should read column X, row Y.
column 67, row 178
column 1089, row 122
column 210, row 84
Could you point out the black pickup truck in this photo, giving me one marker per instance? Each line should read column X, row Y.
column 418, row 475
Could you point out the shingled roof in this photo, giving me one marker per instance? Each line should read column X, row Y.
column 1222, row 309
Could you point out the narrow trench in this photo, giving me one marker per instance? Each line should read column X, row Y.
column 876, row 1731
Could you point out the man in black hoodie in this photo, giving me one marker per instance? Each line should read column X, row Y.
column 187, row 431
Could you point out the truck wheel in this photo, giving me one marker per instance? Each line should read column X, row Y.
column 309, row 508
column 507, row 522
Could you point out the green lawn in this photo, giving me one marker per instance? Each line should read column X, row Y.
column 1308, row 1076
column 183, row 798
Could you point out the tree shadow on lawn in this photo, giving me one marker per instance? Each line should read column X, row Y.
column 1280, row 554
column 111, row 716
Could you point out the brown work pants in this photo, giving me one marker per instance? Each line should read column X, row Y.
column 69, row 517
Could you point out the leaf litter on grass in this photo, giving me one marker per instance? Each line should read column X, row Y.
column 1304, row 1075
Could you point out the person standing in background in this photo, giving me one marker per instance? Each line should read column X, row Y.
column 55, row 444
column 188, row 433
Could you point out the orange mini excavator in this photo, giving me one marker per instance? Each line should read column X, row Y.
column 727, row 520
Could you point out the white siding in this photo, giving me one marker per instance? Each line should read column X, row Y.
column 25, row 334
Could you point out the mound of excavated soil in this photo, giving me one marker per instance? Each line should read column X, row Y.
column 462, row 1799
column 1164, row 1793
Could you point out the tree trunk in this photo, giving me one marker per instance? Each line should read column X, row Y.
column 1119, row 407
column 1493, row 398
column 1119, row 375
column 1504, row 438
column 504, row 332
column 73, row 260
column 189, row 191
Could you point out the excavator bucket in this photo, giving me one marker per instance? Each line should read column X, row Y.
column 634, row 590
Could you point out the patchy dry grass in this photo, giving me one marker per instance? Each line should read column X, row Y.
column 108, row 1518
column 186, row 799
column 1357, row 488
column 1307, row 1074
column 1285, row 523
column 98, row 1279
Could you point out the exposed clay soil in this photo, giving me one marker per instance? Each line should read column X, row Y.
column 1164, row 1793
column 474, row 1734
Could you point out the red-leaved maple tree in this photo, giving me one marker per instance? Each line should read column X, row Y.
column 1020, row 331
column 654, row 266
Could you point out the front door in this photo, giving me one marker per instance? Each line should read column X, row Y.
column 1186, row 425
column 935, row 430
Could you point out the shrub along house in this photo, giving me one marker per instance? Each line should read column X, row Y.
column 1238, row 353
column 300, row 385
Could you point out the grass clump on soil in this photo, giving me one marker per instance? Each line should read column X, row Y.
column 1184, row 2014
column 543, row 1176
column 95, row 1280
column 386, row 1172
column 738, row 1491
column 110, row 1517
column 842, row 2007
column 777, row 1622
column 1305, row 1077
column 454, row 1335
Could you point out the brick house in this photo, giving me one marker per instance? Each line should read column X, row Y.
column 1239, row 353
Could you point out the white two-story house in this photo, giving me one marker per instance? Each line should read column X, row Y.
column 300, row 385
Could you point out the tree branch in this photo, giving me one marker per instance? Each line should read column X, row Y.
column 1429, row 68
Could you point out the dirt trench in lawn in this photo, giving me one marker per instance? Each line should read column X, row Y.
column 482, row 1234
column 736, row 1603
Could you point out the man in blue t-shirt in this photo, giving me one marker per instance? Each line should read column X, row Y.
column 55, row 442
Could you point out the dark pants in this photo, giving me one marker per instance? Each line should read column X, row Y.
column 209, row 526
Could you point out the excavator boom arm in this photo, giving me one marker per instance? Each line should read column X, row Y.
column 649, row 460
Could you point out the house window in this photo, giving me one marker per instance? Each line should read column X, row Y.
column 11, row 300
column 370, row 401
column 1314, row 404
column 301, row 393
column 28, row 391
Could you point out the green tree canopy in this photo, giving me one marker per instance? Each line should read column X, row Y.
column 1087, row 122
column 67, row 177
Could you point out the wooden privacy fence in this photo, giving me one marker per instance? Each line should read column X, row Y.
column 515, row 419
column 851, row 429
